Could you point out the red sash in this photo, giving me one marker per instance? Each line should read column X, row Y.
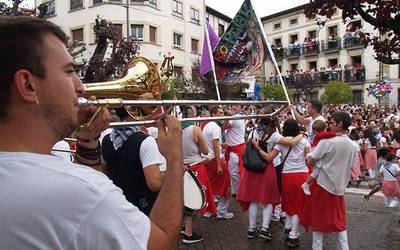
column 220, row 182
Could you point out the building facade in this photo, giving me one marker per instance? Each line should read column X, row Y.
column 309, row 55
column 217, row 20
column 162, row 27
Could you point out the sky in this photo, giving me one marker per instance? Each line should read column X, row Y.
column 263, row 7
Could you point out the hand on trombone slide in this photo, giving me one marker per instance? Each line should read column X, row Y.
column 93, row 120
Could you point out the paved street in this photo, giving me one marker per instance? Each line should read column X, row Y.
column 370, row 226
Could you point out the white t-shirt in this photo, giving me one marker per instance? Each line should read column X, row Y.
column 149, row 153
column 235, row 133
column 271, row 142
column 295, row 162
column 310, row 122
column 211, row 132
column 48, row 203
column 394, row 168
column 337, row 156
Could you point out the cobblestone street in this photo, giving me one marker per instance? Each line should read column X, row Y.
column 370, row 226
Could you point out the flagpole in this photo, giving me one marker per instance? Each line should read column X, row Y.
column 211, row 59
column 273, row 58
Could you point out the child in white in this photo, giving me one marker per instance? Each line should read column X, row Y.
column 391, row 184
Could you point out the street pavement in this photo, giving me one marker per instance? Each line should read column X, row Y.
column 370, row 225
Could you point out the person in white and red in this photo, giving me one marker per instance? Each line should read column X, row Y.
column 325, row 210
column 314, row 109
column 217, row 170
column 235, row 146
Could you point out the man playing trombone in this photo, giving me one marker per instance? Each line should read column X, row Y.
column 48, row 203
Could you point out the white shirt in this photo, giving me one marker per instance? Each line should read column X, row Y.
column 235, row 133
column 394, row 168
column 53, row 204
column 295, row 162
column 149, row 153
column 211, row 132
column 336, row 155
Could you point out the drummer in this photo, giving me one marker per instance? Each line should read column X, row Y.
column 194, row 144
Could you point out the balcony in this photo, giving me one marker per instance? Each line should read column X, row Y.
column 279, row 53
column 296, row 80
column 311, row 48
column 331, row 46
column 293, row 52
column 352, row 42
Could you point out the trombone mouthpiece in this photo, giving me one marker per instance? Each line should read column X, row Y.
column 110, row 103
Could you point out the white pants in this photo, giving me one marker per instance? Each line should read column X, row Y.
column 292, row 223
column 233, row 165
column 222, row 207
column 318, row 241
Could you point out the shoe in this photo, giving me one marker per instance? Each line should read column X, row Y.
column 292, row 243
column 182, row 230
column 251, row 233
column 286, row 232
column 207, row 215
column 266, row 234
column 194, row 238
column 365, row 198
column 275, row 218
column 226, row 216
column 306, row 188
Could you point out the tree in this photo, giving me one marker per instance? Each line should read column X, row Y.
column 384, row 15
column 275, row 92
column 337, row 92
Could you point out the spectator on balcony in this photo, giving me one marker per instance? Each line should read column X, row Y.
column 272, row 78
column 347, row 38
column 348, row 72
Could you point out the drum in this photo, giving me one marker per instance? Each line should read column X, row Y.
column 193, row 192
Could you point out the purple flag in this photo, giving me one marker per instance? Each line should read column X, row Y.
column 210, row 42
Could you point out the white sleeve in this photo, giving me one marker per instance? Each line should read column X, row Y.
column 381, row 169
column 216, row 132
column 398, row 153
column 113, row 223
column 149, row 153
column 275, row 137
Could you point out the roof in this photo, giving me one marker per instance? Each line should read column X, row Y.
column 218, row 14
column 288, row 11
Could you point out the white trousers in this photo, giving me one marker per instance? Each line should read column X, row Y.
column 342, row 243
column 222, row 207
column 233, row 165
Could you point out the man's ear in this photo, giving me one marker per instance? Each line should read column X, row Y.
column 25, row 85
column 340, row 124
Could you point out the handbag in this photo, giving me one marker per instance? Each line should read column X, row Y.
column 252, row 160
column 279, row 169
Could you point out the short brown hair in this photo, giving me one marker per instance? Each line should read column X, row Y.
column 21, row 44
column 319, row 126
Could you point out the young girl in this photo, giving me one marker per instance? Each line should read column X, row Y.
column 391, row 183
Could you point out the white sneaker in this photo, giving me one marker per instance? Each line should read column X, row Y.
column 306, row 188
column 226, row 216
column 207, row 215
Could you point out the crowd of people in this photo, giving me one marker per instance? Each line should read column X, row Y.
column 124, row 187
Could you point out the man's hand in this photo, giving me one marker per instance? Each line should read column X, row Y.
column 219, row 168
column 97, row 118
column 170, row 138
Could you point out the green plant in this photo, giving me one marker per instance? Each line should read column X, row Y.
column 336, row 92
column 275, row 92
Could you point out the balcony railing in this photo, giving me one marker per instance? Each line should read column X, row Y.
column 331, row 45
column 311, row 48
column 293, row 51
column 320, row 78
column 349, row 42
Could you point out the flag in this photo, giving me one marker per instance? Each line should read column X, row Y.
column 243, row 48
column 210, row 42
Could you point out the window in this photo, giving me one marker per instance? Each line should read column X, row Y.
column 332, row 31
column 76, row 4
column 77, row 35
column 177, row 7
column 153, row 3
column 95, row 2
column 195, row 74
column 178, row 71
column 51, row 9
column 153, row 34
column 221, row 29
column 195, row 45
column 277, row 26
column 293, row 67
column 277, row 42
column 312, row 34
column 115, row 1
column 177, row 40
column 312, row 65
column 194, row 15
column 293, row 39
column 293, row 21
column 333, row 63
column 137, row 32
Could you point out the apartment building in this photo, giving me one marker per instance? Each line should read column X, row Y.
column 307, row 54
column 160, row 26
column 218, row 21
